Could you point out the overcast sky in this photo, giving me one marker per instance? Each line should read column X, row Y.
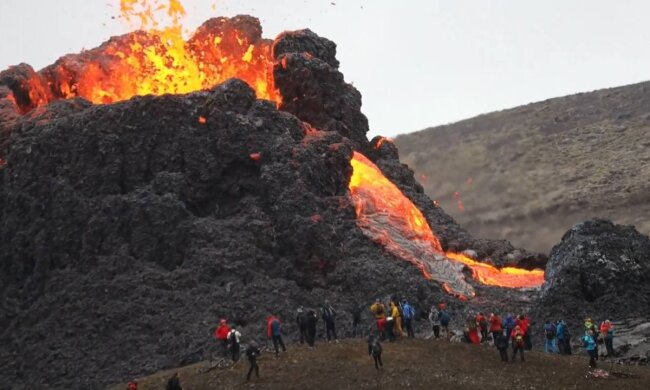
column 416, row 63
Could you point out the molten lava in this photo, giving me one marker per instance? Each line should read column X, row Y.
column 159, row 60
column 388, row 217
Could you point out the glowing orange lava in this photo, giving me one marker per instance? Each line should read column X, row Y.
column 159, row 60
column 391, row 219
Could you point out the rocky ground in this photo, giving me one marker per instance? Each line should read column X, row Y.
column 529, row 173
column 407, row 364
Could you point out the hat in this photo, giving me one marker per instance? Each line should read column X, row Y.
column 222, row 321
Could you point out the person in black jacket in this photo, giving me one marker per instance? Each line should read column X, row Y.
column 310, row 324
column 501, row 342
column 328, row 313
column 252, row 352
column 174, row 383
column 301, row 321
column 356, row 320
column 375, row 350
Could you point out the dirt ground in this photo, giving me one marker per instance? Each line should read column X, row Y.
column 407, row 363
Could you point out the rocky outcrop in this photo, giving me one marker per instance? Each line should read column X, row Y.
column 600, row 270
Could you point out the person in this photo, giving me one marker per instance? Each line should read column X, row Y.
column 483, row 326
column 301, row 321
column 560, row 329
column 550, row 333
column 444, row 321
column 379, row 311
column 221, row 334
column 328, row 313
column 233, row 340
column 174, row 383
column 589, row 325
column 409, row 315
column 252, row 352
column 397, row 319
column 389, row 328
column 518, row 344
column 524, row 324
column 472, row 329
column 274, row 332
column 607, row 332
column 509, row 324
column 501, row 343
column 133, row 385
column 375, row 350
column 356, row 320
column 434, row 319
column 495, row 327
column 589, row 342
column 310, row 323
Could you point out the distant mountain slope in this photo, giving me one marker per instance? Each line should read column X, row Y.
column 528, row 173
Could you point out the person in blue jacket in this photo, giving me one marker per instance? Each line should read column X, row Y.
column 509, row 324
column 589, row 342
column 409, row 315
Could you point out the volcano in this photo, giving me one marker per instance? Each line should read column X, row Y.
column 151, row 186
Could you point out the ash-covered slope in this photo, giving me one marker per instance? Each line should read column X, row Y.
column 529, row 173
column 128, row 230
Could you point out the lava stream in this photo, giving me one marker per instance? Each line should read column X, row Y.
column 388, row 217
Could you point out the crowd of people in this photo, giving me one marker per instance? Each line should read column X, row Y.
column 395, row 319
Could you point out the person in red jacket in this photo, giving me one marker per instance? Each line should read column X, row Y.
column 495, row 326
column 221, row 334
column 517, row 342
column 483, row 326
column 524, row 324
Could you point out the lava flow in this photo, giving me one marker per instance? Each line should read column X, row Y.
column 388, row 217
column 159, row 60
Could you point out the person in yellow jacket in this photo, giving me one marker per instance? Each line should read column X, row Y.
column 397, row 319
column 378, row 310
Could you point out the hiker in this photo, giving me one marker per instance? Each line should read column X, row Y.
column 374, row 350
column 174, row 383
column 560, row 332
column 274, row 332
column 509, row 324
column 483, row 326
column 233, row 340
column 409, row 315
column 301, row 321
column 356, row 320
column 310, row 323
column 389, row 329
column 607, row 332
column 379, row 311
column 434, row 319
column 589, row 342
column 397, row 319
column 524, row 324
column 133, row 385
column 471, row 329
column 501, row 343
column 495, row 327
column 252, row 352
column 444, row 320
column 221, row 334
column 328, row 313
column 518, row 344
column 590, row 326
column 550, row 332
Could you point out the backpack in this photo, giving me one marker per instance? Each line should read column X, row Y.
column 233, row 338
column 380, row 310
column 549, row 329
column 519, row 339
column 444, row 318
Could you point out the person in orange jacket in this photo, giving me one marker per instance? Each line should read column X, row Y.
column 221, row 335
column 524, row 324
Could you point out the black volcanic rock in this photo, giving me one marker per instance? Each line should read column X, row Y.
column 599, row 269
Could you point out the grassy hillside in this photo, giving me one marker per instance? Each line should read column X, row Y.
column 408, row 363
column 527, row 174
